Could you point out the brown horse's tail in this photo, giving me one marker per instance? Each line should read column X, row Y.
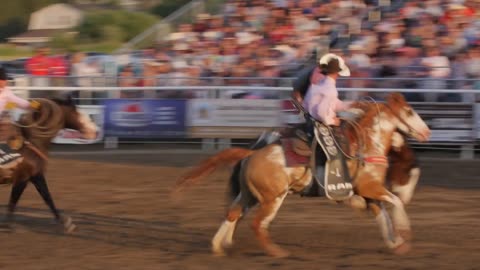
column 226, row 157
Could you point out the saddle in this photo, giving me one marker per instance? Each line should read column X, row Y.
column 327, row 162
column 296, row 148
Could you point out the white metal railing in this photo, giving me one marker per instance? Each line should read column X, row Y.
column 467, row 147
column 225, row 88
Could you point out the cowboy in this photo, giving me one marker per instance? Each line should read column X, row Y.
column 8, row 156
column 321, row 100
column 322, row 104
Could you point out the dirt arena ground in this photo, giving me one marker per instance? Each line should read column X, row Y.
column 126, row 220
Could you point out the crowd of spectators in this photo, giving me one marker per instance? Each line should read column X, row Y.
column 436, row 42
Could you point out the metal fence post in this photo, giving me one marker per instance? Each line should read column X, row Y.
column 111, row 143
column 467, row 152
column 208, row 144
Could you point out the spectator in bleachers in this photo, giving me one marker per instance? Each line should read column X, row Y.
column 258, row 38
column 439, row 70
column 38, row 68
column 58, row 69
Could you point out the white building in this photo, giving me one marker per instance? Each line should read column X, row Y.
column 47, row 22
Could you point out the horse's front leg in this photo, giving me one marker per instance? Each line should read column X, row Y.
column 405, row 190
column 397, row 234
column 41, row 185
column 17, row 190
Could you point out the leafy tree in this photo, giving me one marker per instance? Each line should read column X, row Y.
column 167, row 7
column 122, row 25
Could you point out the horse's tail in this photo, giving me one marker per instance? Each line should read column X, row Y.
column 226, row 157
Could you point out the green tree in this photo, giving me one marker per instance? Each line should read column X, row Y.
column 167, row 7
column 124, row 25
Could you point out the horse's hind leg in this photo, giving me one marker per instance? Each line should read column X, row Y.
column 224, row 236
column 266, row 213
column 41, row 185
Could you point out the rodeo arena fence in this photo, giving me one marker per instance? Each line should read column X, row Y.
column 213, row 120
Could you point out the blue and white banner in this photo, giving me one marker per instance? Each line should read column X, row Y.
column 144, row 118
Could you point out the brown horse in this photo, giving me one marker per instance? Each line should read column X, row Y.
column 37, row 130
column 265, row 179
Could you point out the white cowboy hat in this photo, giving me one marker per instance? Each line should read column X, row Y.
column 345, row 71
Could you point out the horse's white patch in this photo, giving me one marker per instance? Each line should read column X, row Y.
column 397, row 141
column 276, row 205
column 375, row 172
column 228, row 240
column 219, row 238
column 405, row 192
column 357, row 202
column 381, row 124
column 416, row 124
column 399, row 215
column 88, row 128
column 386, row 123
column 276, row 155
column 387, row 231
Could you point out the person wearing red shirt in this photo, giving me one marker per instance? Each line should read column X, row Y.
column 38, row 67
column 58, row 70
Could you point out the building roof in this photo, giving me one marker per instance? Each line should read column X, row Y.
column 35, row 36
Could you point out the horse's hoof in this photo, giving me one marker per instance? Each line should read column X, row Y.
column 358, row 202
column 277, row 252
column 218, row 252
column 68, row 225
column 402, row 249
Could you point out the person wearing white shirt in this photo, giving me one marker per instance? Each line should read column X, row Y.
column 322, row 103
column 322, row 100
column 9, row 157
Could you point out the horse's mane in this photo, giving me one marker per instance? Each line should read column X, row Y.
column 369, row 111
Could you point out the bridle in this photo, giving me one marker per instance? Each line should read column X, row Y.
column 410, row 130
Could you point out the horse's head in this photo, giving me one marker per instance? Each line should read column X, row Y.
column 410, row 122
column 77, row 120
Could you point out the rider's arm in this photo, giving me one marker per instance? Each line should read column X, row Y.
column 20, row 102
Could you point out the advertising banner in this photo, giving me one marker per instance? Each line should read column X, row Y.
column 145, row 118
column 232, row 118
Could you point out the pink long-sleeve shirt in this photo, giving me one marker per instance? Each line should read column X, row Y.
column 322, row 101
column 6, row 95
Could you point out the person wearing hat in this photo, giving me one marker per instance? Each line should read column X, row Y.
column 7, row 96
column 321, row 100
column 322, row 103
column 9, row 157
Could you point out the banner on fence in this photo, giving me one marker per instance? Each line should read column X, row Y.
column 144, row 118
column 232, row 118
column 449, row 122
column 70, row 136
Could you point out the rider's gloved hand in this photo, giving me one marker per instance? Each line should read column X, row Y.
column 336, row 122
column 35, row 105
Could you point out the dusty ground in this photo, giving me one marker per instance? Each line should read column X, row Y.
column 127, row 221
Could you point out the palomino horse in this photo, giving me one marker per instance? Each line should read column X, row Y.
column 38, row 129
column 265, row 179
